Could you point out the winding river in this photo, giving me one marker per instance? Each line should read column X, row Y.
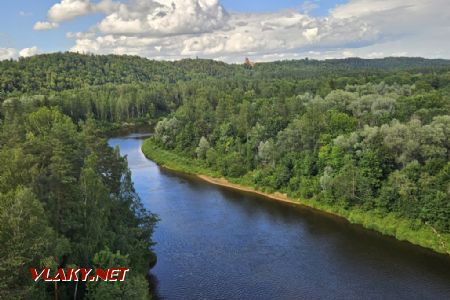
column 215, row 243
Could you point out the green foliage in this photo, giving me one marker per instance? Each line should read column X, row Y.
column 133, row 287
column 26, row 239
column 202, row 149
column 86, row 190
column 350, row 143
column 366, row 139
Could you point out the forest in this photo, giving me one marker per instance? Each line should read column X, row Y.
column 366, row 139
column 374, row 150
column 66, row 200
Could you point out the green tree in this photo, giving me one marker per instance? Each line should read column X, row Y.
column 26, row 239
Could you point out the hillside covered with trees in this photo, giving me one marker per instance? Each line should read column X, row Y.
column 366, row 139
column 129, row 88
column 66, row 200
column 373, row 152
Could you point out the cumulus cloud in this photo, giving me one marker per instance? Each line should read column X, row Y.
column 12, row 53
column 45, row 25
column 69, row 9
column 7, row 53
column 216, row 33
column 185, row 28
column 165, row 17
column 286, row 31
column 27, row 52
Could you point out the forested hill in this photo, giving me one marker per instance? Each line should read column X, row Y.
column 350, row 66
column 366, row 139
column 62, row 71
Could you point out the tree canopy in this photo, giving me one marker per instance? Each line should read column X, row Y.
column 358, row 135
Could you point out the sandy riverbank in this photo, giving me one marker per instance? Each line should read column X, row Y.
column 277, row 196
column 225, row 183
column 390, row 224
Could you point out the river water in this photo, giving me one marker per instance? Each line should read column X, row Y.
column 215, row 243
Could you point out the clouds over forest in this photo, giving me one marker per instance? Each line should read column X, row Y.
column 171, row 29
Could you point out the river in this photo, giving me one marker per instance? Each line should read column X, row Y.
column 215, row 243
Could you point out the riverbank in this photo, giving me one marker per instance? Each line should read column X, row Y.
column 391, row 224
column 125, row 128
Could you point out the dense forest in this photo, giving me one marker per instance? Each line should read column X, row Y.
column 374, row 149
column 361, row 138
column 376, row 146
column 128, row 88
column 66, row 199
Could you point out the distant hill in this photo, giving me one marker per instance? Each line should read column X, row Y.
column 62, row 71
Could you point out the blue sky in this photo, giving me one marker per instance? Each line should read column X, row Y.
column 18, row 17
column 227, row 29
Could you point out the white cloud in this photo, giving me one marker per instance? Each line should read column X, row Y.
column 348, row 54
column 7, row 53
column 80, row 35
column 179, row 28
column 69, row 9
column 27, row 52
column 375, row 55
column 45, row 25
column 310, row 33
column 106, row 6
column 165, row 17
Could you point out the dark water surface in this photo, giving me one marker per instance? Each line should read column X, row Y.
column 214, row 243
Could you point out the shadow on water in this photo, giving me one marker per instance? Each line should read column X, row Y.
column 352, row 242
column 132, row 131
column 217, row 243
column 347, row 237
column 153, row 283
column 317, row 222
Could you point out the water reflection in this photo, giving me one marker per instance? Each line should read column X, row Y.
column 153, row 286
column 216, row 243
